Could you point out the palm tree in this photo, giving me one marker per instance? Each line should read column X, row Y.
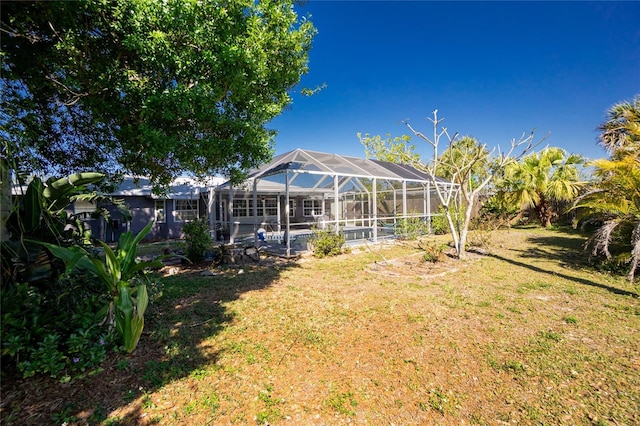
column 541, row 180
column 622, row 127
column 614, row 199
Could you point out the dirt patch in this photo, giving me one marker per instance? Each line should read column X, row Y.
column 414, row 265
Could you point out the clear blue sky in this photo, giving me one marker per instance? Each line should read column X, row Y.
column 492, row 69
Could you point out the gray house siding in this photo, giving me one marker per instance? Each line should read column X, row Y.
column 142, row 212
column 141, row 202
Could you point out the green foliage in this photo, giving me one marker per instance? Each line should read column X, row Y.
column 397, row 150
column 51, row 321
column 433, row 252
column 48, row 332
column 465, row 162
column 326, row 243
column 411, row 228
column 42, row 214
column 621, row 130
column 440, row 224
column 123, row 277
column 542, row 180
column 154, row 87
column 496, row 212
column 613, row 201
column 197, row 239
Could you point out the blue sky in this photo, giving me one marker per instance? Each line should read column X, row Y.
column 494, row 70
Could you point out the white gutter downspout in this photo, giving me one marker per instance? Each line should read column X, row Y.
column 255, row 213
column 286, row 213
column 337, row 207
column 230, row 214
column 404, row 199
column 375, row 210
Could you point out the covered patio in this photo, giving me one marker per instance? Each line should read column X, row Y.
column 286, row 201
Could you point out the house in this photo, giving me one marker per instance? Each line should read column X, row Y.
column 185, row 200
column 302, row 190
column 284, row 201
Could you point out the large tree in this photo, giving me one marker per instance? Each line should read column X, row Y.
column 153, row 88
column 621, row 129
column 464, row 161
column 542, row 180
column 613, row 201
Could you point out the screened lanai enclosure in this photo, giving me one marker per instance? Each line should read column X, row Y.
column 299, row 192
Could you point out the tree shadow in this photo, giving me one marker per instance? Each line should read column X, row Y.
column 564, row 248
column 191, row 310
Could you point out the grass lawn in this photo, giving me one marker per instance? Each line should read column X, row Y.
column 522, row 334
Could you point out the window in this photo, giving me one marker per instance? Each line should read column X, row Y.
column 270, row 207
column 292, row 208
column 312, row 207
column 160, row 211
column 185, row 210
column 240, row 208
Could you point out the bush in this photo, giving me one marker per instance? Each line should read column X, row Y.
column 478, row 239
column 411, row 228
column 197, row 239
column 433, row 252
column 53, row 329
column 439, row 223
column 326, row 243
column 496, row 212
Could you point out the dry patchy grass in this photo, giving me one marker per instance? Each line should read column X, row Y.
column 520, row 334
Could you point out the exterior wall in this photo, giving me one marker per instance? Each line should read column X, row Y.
column 142, row 212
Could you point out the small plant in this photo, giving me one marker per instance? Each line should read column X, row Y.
column 432, row 252
column 122, row 364
column 272, row 412
column 197, row 239
column 343, row 403
column 326, row 243
column 478, row 239
column 438, row 400
column 65, row 417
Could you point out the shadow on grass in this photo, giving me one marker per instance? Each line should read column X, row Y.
column 191, row 310
column 566, row 249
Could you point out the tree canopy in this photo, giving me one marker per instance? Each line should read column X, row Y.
column 151, row 88
column 542, row 180
column 464, row 161
column 613, row 201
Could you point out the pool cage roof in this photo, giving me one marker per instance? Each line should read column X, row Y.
column 313, row 172
column 336, row 180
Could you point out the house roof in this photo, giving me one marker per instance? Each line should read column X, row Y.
column 310, row 171
column 182, row 188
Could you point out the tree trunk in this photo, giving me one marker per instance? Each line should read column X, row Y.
column 454, row 231
column 5, row 201
column 545, row 213
column 464, row 232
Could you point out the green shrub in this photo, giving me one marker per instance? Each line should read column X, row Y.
column 433, row 252
column 326, row 243
column 439, row 223
column 197, row 239
column 411, row 228
column 47, row 332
